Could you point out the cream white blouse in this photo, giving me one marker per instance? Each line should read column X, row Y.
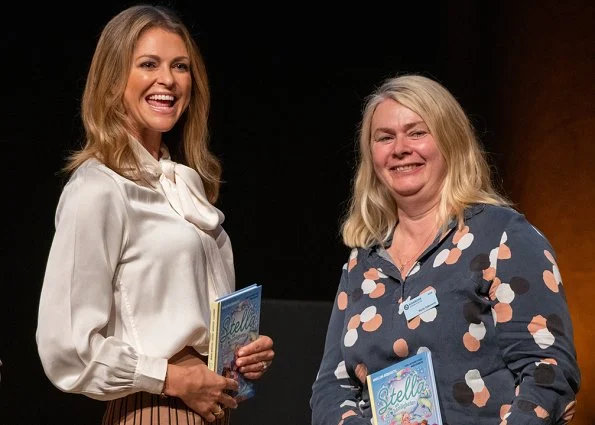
column 129, row 277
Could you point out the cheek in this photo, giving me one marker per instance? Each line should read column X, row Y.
column 378, row 162
column 126, row 100
column 440, row 167
column 132, row 91
column 378, row 155
column 136, row 82
column 186, row 91
column 186, row 103
column 438, row 159
column 185, row 84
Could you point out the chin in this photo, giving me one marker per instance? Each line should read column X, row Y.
column 404, row 192
column 163, row 127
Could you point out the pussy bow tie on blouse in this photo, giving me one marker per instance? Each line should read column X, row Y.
column 184, row 190
column 182, row 186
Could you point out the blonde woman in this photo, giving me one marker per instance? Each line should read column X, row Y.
column 441, row 262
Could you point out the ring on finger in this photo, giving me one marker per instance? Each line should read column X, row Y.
column 265, row 365
column 219, row 413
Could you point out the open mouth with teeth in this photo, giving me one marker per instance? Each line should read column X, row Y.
column 161, row 100
column 404, row 168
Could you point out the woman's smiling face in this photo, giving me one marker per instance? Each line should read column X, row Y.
column 405, row 155
column 159, row 83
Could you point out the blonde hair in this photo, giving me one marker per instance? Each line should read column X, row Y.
column 102, row 108
column 372, row 213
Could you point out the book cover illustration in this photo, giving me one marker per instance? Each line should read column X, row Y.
column 235, row 321
column 405, row 393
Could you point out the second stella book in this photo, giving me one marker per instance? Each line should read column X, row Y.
column 235, row 322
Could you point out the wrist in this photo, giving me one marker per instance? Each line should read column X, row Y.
column 168, row 387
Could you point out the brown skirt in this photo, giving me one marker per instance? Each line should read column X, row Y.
column 149, row 409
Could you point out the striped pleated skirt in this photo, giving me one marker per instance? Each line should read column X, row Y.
column 150, row 409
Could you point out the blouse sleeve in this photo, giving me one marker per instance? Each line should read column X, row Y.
column 534, row 327
column 335, row 395
column 77, row 296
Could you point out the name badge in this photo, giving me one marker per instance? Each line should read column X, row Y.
column 416, row 306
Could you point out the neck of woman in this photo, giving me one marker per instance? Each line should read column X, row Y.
column 151, row 141
column 416, row 223
column 413, row 234
column 154, row 148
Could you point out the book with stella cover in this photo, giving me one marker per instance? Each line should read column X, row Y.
column 235, row 321
column 405, row 393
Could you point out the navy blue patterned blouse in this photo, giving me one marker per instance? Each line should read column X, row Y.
column 501, row 335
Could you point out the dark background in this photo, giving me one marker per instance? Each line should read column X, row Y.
column 287, row 90
column 288, row 83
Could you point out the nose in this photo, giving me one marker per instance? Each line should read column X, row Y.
column 400, row 146
column 165, row 76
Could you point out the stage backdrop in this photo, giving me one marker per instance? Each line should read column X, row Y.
column 287, row 90
column 546, row 118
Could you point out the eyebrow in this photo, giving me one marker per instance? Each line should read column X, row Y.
column 413, row 124
column 159, row 58
column 406, row 127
